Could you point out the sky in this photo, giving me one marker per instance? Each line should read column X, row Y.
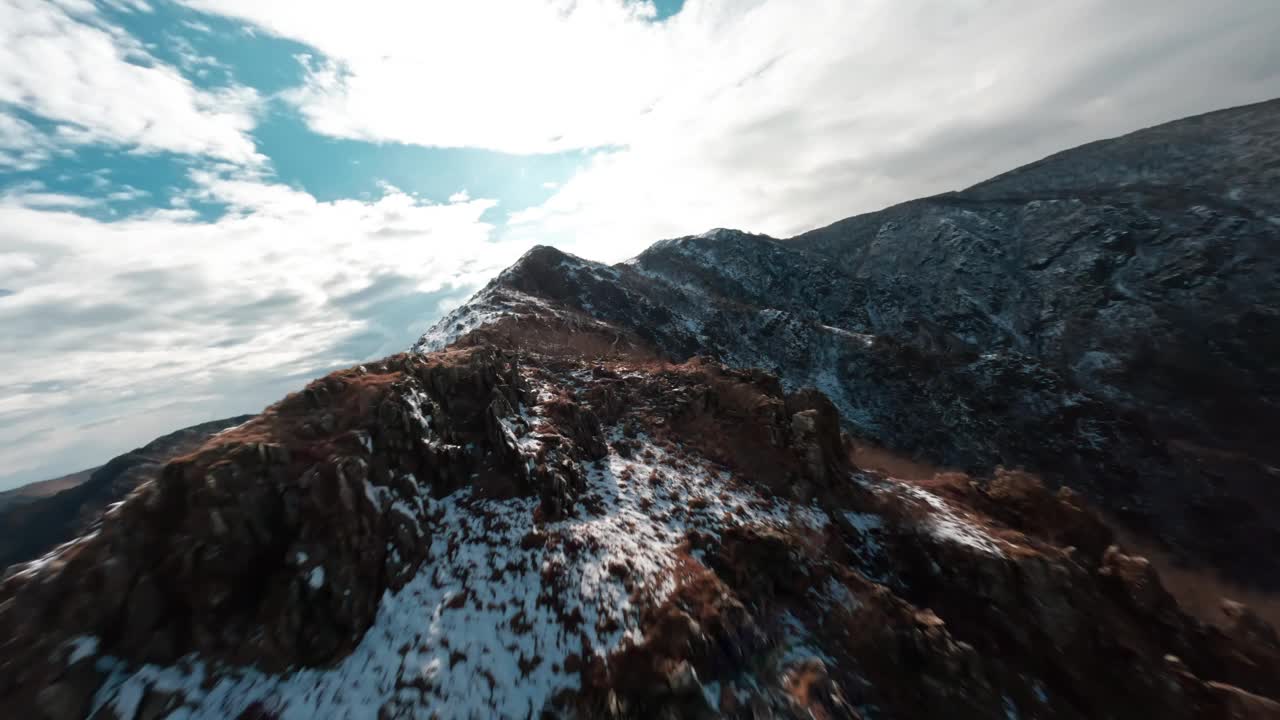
column 206, row 203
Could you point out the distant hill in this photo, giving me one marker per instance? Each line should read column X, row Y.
column 43, row 488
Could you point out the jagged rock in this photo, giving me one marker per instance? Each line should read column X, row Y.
column 724, row 560
column 1136, row 581
column 815, row 431
column 1021, row 500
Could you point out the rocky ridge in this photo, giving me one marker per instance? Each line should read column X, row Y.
column 484, row 533
column 1105, row 318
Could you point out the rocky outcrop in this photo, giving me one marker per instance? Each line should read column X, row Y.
column 34, row 526
column 975, row 618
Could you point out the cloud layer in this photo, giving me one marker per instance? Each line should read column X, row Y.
column 903, row 100
column 127, row 317
column 95, row 84
column 518, row 77
column 771, row 115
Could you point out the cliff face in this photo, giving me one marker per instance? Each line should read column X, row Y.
column 634, row 491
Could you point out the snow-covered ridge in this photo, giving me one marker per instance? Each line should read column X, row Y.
column 503, row 610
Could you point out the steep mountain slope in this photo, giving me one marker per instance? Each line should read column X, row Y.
column 1107, row 318
column 32, row 528
column 1144, row 267
column 600, row 491
column 1145, row 271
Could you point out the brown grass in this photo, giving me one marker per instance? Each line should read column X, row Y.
column 872, row 457
column 1199, row 591
column 283, row 421
column 555, row 337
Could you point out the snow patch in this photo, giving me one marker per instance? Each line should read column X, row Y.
column 942, row 522
column 224, row 431
column 797, row 642
column 82, row 647
column 869, row 526
column 864, row 338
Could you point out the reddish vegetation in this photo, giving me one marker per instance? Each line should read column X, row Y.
column 871, row 457
column 1199, row 591
column 580, row 338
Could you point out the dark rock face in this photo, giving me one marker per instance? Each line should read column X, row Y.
column 1143, row 268
column 1106, row 318
column 32, row 528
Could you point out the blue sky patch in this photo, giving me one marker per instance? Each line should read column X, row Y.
column 216, row 53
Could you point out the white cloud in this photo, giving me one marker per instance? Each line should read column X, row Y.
column 770, row 115
column 127, row 192
column 22, row 146
column 65, row 63
column 33, row 194
column 128, row 6
column 51, row 200
column 191, row 59
column 513, row 76
column 13, row 264
column 908, row 101
column 460, row 196
column 112, row 321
